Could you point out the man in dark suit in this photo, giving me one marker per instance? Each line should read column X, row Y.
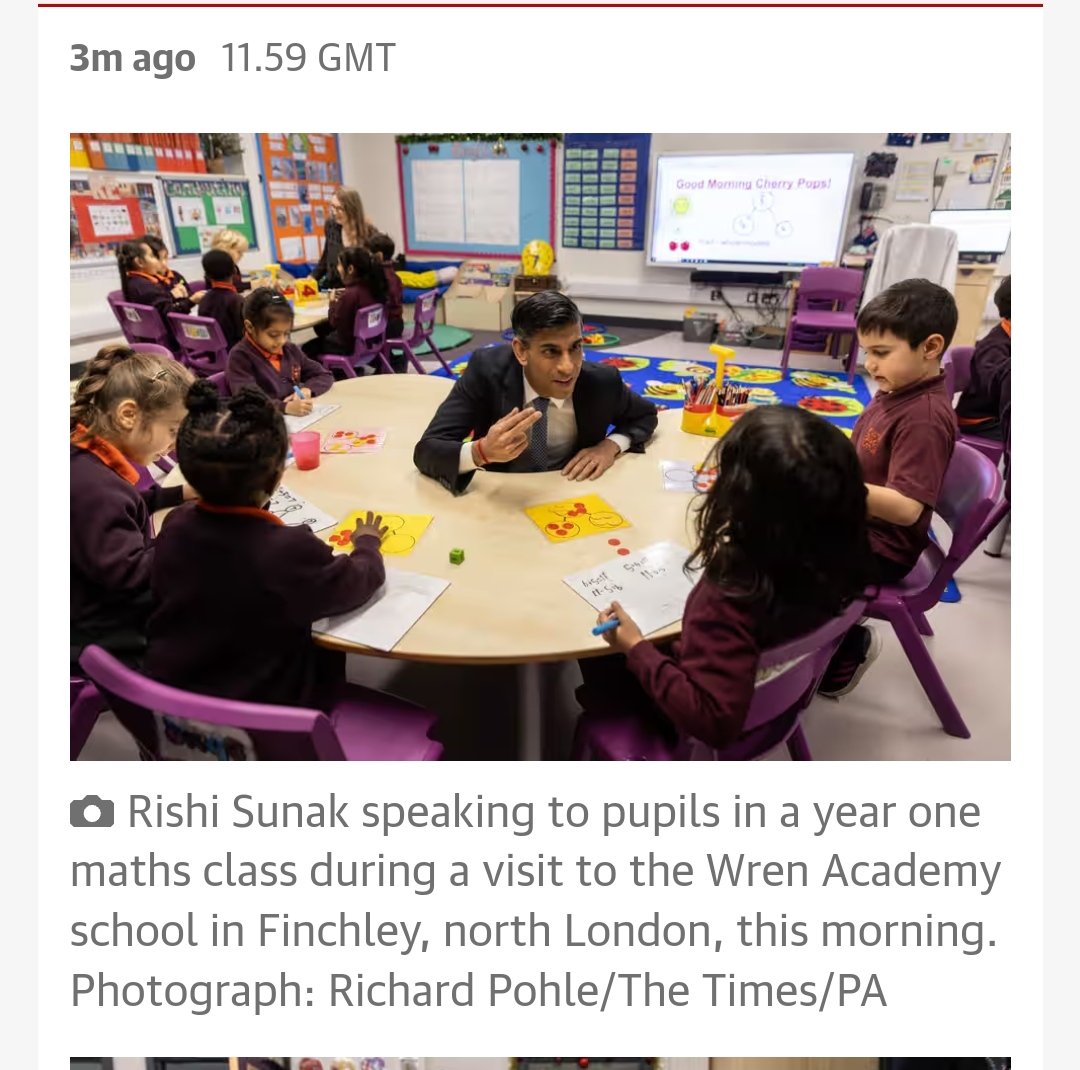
column 535, row 405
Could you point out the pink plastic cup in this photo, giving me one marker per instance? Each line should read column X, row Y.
column 305, row 447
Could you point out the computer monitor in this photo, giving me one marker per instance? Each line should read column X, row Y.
column 980, row 232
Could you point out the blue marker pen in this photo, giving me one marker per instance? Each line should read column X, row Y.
column 297, row 392
column 607, row 626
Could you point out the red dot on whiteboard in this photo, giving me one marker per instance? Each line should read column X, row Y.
column 623, row 550
column 613, row 542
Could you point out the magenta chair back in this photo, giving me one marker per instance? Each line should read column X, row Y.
column 86, row 706
column 114, row 297
column 221, row 381
column 142, row 323
column 369, row 343
column 195, row 286
column 773, row 718
column 969, row 497
column 367, row 726
column 156, row 350
column 421, row 331
column 956, row 365
column 202, row 342
column 826, row 302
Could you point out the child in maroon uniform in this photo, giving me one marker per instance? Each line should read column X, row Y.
column 172, row 279
column 267, row 360
column 382, row 249
column 126, row 411
column 142, row 281
column 904, row 440
column 782, row 544
column 221, row 302
column 365, row 285
column 235, row 590
column 984, row 408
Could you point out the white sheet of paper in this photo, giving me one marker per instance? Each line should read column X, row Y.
column 650, row 585
column 493, row 202
column 311, row 246
column 300, row 423
column 916, row 181
column 438, row 196
column 678, row 475
column 382, row 622
column 109, row 220
column 292, row 249
column 228, row 209
column 293, row 511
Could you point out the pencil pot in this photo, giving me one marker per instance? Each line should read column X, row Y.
column 699, row 420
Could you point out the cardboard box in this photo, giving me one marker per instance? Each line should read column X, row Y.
column 477, row 306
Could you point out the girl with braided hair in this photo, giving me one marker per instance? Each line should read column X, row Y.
column 125, row 413
column 235, row 590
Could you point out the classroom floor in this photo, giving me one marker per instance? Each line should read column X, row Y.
column 887, row 717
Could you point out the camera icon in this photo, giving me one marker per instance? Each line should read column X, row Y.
column 92, row 812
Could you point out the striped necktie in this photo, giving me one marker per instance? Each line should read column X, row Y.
column 537, row 449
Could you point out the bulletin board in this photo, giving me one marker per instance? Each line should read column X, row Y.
column 300, row 174
column 460, row 198
column 199, row 207
column 605, row 191
column 107, row 209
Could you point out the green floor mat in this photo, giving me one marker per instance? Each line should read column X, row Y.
column 445, row 338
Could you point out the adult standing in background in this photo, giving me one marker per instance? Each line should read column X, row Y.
column 347, row 227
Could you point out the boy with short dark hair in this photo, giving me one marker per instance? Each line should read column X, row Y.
column 221, row 302
column 904, row 441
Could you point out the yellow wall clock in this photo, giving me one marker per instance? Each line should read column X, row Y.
column 537, row 257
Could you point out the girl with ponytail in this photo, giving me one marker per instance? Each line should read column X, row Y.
column 236, row 591
column 125, row 414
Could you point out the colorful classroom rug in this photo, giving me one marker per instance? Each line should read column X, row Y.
column 586, row 329
column 661, row 381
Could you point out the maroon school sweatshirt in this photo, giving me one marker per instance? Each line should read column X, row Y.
column 236, row 593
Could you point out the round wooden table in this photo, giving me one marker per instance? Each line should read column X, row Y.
column 507, row 603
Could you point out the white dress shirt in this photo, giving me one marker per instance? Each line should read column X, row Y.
column 561, row 431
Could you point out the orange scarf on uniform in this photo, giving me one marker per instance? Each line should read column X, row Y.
column 1006, row 326
column 105, row 452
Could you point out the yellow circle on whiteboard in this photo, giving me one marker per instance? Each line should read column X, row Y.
column 681, row 205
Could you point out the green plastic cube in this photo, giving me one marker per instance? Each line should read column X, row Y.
column 457, row 557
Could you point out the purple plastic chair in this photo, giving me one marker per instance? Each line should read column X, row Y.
column 221, row 381
column 202, row 342
column 996, row 528
column 970, row 493
column 773, row 718
column 195, row 286
column 369, row 333
column 956, row 364
column 86, row 706
column 365, row 726
column 421, row 331
column 114, row 297
column 836, row 287
column 156, row 350
column 142, row 323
